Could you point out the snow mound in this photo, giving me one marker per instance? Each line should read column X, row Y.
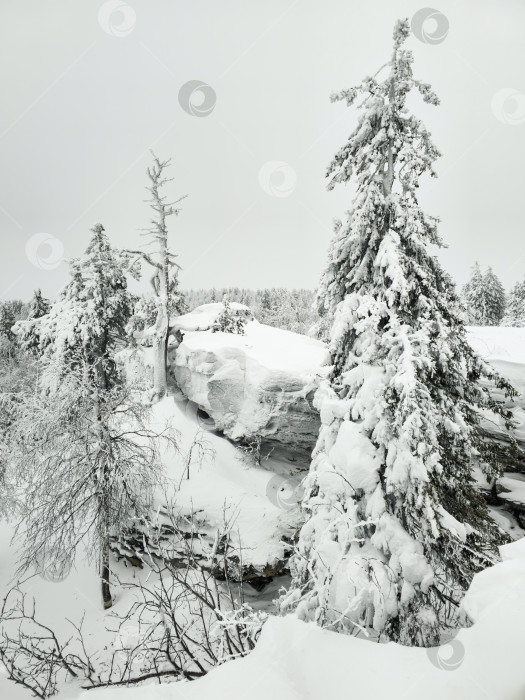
column 204, row 317
column 261, row 383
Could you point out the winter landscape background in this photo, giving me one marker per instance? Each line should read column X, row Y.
column 262, row 350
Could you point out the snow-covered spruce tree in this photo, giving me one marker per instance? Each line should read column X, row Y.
column 515, row 309
column 10, row 312
column 165, row 269
column 28, row 330
column 473, row 294
column 495, row 298
column 87, row 477
column 395, row 528
column 227, row 321
column 484, row 298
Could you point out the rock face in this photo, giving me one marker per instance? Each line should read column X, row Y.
column 257, row 385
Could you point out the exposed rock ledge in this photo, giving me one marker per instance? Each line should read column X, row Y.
column 258, row 384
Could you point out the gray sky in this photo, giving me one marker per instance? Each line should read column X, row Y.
column 88, row 89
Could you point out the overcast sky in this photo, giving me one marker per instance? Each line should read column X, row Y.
column 89, row 87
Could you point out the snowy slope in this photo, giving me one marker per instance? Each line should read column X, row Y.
column 224, row 483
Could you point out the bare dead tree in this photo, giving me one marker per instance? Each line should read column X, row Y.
column 163, row 262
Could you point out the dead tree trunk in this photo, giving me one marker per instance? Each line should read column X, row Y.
column 162, row 260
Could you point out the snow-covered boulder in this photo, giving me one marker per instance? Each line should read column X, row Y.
column 261, row 383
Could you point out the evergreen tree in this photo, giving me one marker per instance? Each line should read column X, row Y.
column 266, row 301
column 227, row 321
column 10, row 312
column 495, row 299
column 484, row 298
column 474, row 296
column 515, row 310
column 90, row 317
column 395, row 527
column 28, row 331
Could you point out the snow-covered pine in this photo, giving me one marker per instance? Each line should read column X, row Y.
column 89, row 318
column 473, row 294
column 484, row 298
column 395, row 528
column 28, row 331
column 227, row 321
column 495, row 298
column 515, row 311
column 7, row 319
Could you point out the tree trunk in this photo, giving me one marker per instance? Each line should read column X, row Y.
column 104, row 573
column 162, row 323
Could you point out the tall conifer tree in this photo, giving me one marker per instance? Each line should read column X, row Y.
column 395, row 527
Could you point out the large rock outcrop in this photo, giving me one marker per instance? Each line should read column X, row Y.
column 257, row 385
